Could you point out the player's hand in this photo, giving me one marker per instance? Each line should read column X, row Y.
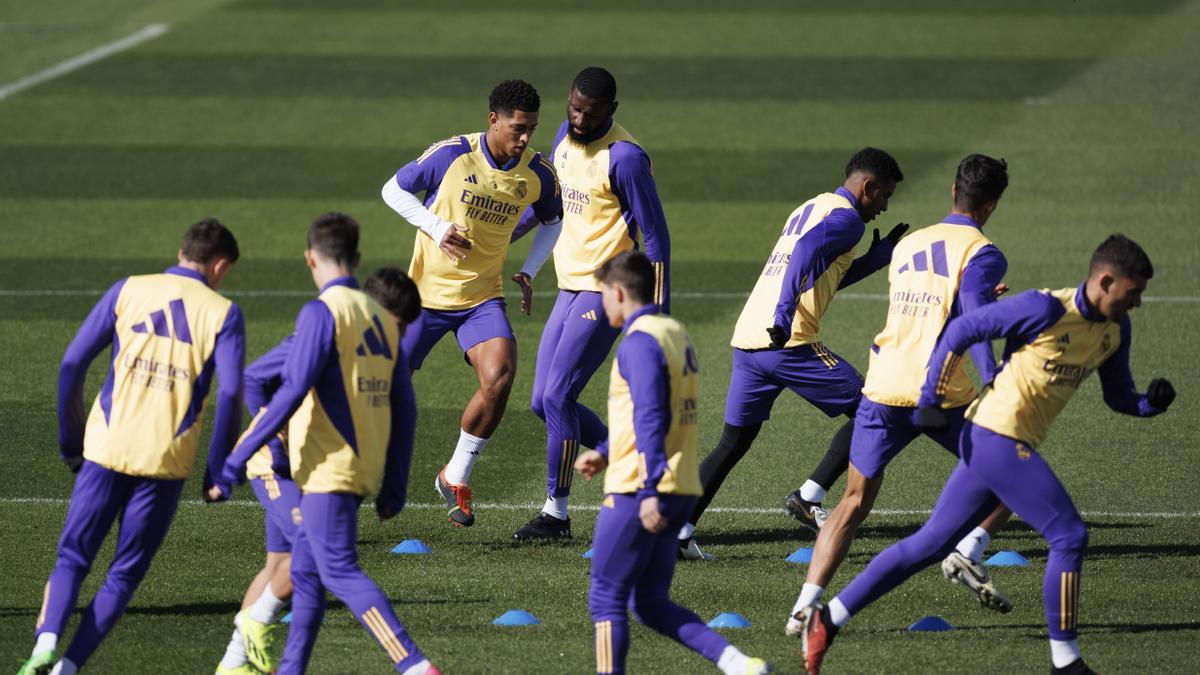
column 1160, row 393
column 779, row 336
column 455, row 244
column 526, row 283
column 215, row 494
column 932, row 419
column 652, row 519
column 1000, row 289
column 892, row 237
column 383, row 509
column 74, row 463
column 590, row 463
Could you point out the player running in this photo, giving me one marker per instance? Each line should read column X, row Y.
column 476, row 188
column 936, row 274
column 1054, row 340
column 251, row 646
column 609, row 196
column 652, row 480
column 348, row 403
column 170, row 333
column 776, row 342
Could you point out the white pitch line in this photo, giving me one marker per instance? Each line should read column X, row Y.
column 85, row 59
column 697, row 295
column 749, row 510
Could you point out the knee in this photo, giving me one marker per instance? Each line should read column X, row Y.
column 1073, row 537
column 537, row 404
column 496, row 381
column 646, row 606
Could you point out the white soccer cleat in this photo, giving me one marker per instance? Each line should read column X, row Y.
column 690, row 550
column 794, row 626
column 960, row 569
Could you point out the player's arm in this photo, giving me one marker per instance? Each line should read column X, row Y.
column 642, row 363
column 529, row 220
column 633, row 183
column 811, row 256
column 982, row 274
column 877, row 257
column 93, row 336
column 424, row 174
column 1120, row 392
column 393, row 493
column 1019, row 319
column 547, row 211
column 261, row 380
column 312, row 348
column 229, row 355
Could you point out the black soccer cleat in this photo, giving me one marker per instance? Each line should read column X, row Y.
column 1076, row 667
column 810, row 514
column 544, row 527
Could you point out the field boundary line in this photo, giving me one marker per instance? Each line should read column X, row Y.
column 697, row 295
column 85, row 59
column 748, row 510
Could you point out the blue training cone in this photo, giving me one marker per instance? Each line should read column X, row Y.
column 412, row 547
column 801, row 555
column 931, row 624
column 587, row 553
column 516, row 617
column 1008, row 559
column 287, row 618
column 729, row 620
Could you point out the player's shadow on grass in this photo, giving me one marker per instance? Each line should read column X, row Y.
column 1142, row 551
column 795, row 533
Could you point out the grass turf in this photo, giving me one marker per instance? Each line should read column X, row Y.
column 265, row 113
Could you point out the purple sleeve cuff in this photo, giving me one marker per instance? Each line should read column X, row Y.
column 641, row 362
column 812, row 255
column 633, row 183
column 230, row 357
column 93, row 336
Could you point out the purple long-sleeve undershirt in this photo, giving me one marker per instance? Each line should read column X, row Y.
column 983, row 272
column 633, row 183
column 230, row 357
column 262, row 379
column 96, row 333
column 641, row 361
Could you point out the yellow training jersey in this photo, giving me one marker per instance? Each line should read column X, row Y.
column 924, row 278
column 464, row 185
column 338, row 437
column 679, row 471
column 759, row 311
column 146, row 420
column 1041, row 376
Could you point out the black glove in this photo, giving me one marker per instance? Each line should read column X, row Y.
column 76, row 463
column 932, row 419
column 1160, row 393
column 893, row 237
column 779, row 336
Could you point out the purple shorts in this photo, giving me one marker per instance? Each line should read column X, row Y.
column 482, row 322
column 882, row 431
column 280, row 497
column 818, row 375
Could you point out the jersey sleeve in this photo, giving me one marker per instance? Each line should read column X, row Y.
column 230, row 357
column 983, row 272
column 633, row 183
column 260, row 381
column 1020, row 319
column 93, row 336
column 393, row 493
column 1116, row 380
column 548, row 207
column 812, row 255
column 313, row 346
column 642, row 363
column 425, row 173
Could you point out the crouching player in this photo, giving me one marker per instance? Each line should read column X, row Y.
column 346, row 391
column 169, row 333
column 251, row 647
column 1055, row 339
column 653, row 478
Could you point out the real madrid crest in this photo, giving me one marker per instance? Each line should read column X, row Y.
column 521, row 191
column 591, row 169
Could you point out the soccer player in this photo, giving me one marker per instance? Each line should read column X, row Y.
column 608, row 197
column 270, row 477
column 776, row 343
column 476, row 188
column 652, row 480
column 1054, row 340
column 170, row 333
column 347, row 393
column 936, row 274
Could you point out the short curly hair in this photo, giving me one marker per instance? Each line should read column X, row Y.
column 512, row 95
column 876, row 162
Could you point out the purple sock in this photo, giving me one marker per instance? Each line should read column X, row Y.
column 612, row 644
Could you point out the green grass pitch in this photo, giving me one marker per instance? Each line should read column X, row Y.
column 265, row 113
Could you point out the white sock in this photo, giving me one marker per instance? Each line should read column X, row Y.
column 973, row 545
column 809, row 594
column 64, row 667
column 556, row 506
column 46, row 642
column 465, row 455
column 264, row 608
column 235, row 651
column 812, row 492
column 837, row 613
column 1064, row 652
column 732, row 661
column 418, row 668
column 686, row 531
